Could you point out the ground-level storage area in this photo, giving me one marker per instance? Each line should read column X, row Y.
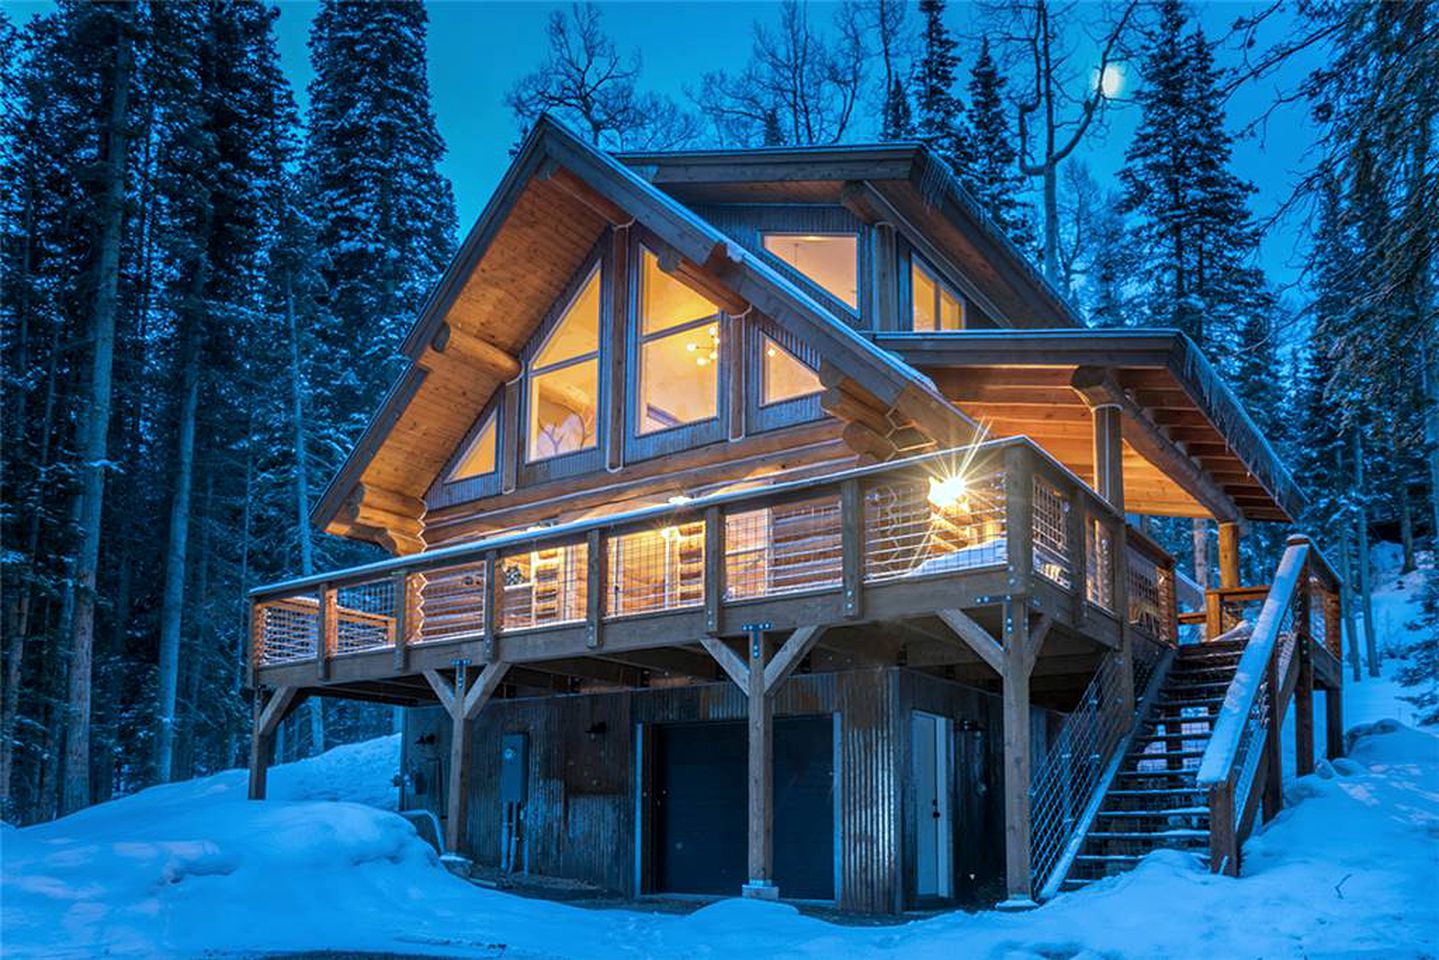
column 886, row 788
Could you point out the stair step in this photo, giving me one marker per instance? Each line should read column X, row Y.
column 1160, row 791
column 1183, row 833
column 1186, row 702
column 1165, row 755
column 1192, row 687
column 1078, row 883
column 1177, row 735
column 1108, row 858
column 1156, row 812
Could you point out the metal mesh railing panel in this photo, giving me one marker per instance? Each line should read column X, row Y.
column 907, row 534
column 1051, row 533
column 783, row 549
column 288, row 629
column 1099, row 565
column 544, row 586
column 365, row 616
column 1145, row 609
column 652, row 570
column 1064, row 781
column 451, row 604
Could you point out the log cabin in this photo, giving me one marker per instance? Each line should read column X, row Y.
column 761, row 522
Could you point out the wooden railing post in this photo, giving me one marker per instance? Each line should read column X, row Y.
column 851, row 518
column 1076, row 533
column 1223, row 829
column 1304, row 686
column 403, row 620
column 1273, row 757
column 327, row 636
column 1019, row 518
column 714, row 568
column 494, row 597
column 595, row 547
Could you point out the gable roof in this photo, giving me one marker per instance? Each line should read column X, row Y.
column 904, row 184
column 559, row 195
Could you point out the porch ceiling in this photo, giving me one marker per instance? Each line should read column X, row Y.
column 1202, row 454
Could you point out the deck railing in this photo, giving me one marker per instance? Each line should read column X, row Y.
column 1004, row 507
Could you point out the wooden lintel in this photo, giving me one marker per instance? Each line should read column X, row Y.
column 1098, row 387
column 976, row 637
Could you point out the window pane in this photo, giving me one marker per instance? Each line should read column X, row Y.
column 951, row 311
column 578, row 331
column 832, row 261
column 922, row 293
column 562, row 409
column 784, row 376
column 666, row 302
column 679, row 379
column 479, row 459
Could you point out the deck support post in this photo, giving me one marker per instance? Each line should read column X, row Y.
column 462, row 700
column 1273, row 758
column 1334, row 722
column 1108, row 418
column 1304, row 684
column 1109, row 453
column 1017, row 664
column 761, row 883
column 270, row 711
column 1229, row 554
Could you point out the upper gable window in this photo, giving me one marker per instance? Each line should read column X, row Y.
column 479, row 457
column 829, row 259
column 936, row 306
column 564, row 379
column 784, row 376
column 679, row 350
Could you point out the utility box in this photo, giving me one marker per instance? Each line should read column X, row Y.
column 514, row 767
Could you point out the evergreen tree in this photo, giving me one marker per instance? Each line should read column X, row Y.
column 994, row 175
column 898, row 121
column 384, row 214
column 939, row 115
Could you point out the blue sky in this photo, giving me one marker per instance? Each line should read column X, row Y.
column 478, row 49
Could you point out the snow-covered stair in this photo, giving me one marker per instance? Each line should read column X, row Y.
column 1154, row 801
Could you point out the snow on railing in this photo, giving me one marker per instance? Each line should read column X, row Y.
column 1234, row 714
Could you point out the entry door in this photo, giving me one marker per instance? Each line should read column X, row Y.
column 933, row 827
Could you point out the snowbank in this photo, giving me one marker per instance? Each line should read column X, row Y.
column 1350, row 868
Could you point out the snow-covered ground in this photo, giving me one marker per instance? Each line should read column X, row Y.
column 1349, row 868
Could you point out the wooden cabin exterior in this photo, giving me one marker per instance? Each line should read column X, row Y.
column 761, row 520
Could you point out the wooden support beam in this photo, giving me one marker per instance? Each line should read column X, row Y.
column 481, row 355
column 1016, row 756
column 1109, row 454
column 728, row 660
column 1038, row 631
column 1334, row 722
column 462, row 700
column 484, row 688
column 976, row 638
column 788, row 656
column 1098, row 387
column 761, row 883
column 1304, row 716
column 269, row 712
column 1229, row 554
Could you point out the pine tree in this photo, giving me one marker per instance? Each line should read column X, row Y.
column 384, row 214
column 939, row 115
column 898, row 121
column 994, row 175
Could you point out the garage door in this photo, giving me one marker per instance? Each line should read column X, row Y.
column 699, row 790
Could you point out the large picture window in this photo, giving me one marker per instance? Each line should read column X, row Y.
column 829, row 259
column 564, row 379
column 936, row 306
column 679, row 352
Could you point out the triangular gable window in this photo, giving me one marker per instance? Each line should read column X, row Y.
column 479, row 457
column 564, row 379
column 784, row 376
column 830, row 260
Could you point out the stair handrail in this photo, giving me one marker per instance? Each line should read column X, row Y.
column 1244, row 736
column 1249, row 676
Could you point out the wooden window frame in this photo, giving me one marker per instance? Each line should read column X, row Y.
column 941, row 285
column 593, row 457
column 445, row 492
column 760, row 416
column 685, row 436
column 813, row 286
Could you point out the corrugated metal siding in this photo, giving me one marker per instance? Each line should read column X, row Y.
column 580, row 818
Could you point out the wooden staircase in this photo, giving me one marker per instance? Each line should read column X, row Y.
column 1155, row 800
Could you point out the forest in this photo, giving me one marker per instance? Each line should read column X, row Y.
column 203, row 287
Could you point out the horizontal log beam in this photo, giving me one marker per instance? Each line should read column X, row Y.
column 480, row 354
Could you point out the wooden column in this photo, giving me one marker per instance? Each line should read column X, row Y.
column 1109, row 454
column 1273, row 758
column 271, row 709
column 1016, row 757
column 462, row 700
column 1333, row 722
column 1304, row 684
column 761, row 776
column 1228, row 555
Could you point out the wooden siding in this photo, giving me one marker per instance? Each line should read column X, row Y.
column 580, row 818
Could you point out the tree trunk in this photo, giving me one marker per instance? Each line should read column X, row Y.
column 1200, row 535
column 75, row 793
column 1051, row 223
column 316, row 706
column 1430, row 372
column 172, row 607
column 1366, row 598
column 1346, row 599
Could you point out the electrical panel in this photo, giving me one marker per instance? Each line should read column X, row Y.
column 514, row 767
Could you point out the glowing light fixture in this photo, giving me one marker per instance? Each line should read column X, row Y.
column 947, row 492
column 670, row 533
